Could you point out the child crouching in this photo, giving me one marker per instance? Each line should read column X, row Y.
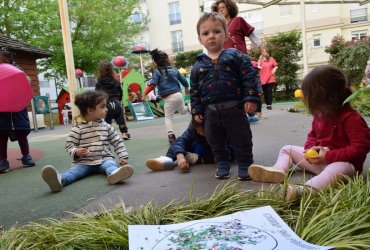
column 89, row 146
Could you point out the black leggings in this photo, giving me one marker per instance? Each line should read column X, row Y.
column 115, row 111
column 267, row 92
column 22, row 141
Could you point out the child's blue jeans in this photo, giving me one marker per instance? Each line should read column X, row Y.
column 79, row 171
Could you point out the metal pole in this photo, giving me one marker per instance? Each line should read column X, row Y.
column 68, row 51
column 34, row 118
column 141, row 64
column 304, row 43
column 50, row 114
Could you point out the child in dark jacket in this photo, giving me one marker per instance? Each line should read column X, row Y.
column 189, row 149
column 223, row 89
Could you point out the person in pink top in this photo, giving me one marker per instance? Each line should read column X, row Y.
column 339, row 135
column 268, row 67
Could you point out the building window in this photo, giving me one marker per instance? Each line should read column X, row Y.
column 286, row 10
column 315, row 8
column 358, row 14
column 254, row 18
column 207, row 5
column 358, row 35
column 44, row 84
column 177, row 42
column 174, row 13
column 136, row 17
column 316, row 41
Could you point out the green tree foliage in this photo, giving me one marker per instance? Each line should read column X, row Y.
column 187, row 59
column 350, row 56
column 100, row 29
column 286, row 49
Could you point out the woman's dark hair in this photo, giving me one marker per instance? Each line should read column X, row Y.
column 105, row 69
column 324, row 90
column 231, row 6
column 8, row 56
column 160, row 58
column 89, row 99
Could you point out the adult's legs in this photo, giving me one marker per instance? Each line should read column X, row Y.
column 267, row 93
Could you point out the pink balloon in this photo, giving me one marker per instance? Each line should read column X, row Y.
column 119, row 61
column 79, row 72
column 15, row 89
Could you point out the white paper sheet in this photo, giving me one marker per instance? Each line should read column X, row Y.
column 259, row 228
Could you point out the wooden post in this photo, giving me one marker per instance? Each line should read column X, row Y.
column 68, row 52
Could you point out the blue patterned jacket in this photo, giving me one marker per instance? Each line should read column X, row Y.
column 231, row 78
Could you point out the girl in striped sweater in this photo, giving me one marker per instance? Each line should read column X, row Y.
column 89, row 146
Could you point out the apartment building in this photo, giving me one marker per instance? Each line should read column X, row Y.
column 172, row 23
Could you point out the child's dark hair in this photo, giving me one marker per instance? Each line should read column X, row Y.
column 196, row 124
column 105, row 69
column 230, row 5
column 160, row 58
column 89, row 99
column 214, row 16
column 324, row 90
column 8, row 56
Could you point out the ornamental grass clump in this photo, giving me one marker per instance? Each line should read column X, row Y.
column 337, row 216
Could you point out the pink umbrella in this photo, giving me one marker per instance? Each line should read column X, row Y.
column 15, row 89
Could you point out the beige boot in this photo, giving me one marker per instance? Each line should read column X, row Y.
column 261, row 116
column 266, row 174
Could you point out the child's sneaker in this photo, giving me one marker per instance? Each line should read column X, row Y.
column 120, row 174
column 191, row 158
column 27, row 161
column 243, row 173
column 52, row 178
column 253, row 120
column 126, row 136
column 223, row 170
column 171, row 138
column 293, row 193
column 266, row 174
column 161, row 163
column 261, row 116
column 4, row 166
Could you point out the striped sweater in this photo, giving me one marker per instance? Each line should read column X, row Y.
column 96, row 136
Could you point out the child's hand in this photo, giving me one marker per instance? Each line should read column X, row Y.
column 319, row 159
column 250, row 107
column 122, row 162
column 181, row 162
column 82, row 152
column 187, row 91
column 199, row 118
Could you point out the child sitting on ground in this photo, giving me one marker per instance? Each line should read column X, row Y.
column 223, row 89
column 339, row 134
column 89, row 146
column 167, row 78
column 189, row 149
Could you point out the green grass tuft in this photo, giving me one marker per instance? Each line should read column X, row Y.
column 338, row 216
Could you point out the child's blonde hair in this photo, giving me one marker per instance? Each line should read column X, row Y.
column 214, row 16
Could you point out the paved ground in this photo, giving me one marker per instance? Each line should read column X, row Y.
column 25, row 197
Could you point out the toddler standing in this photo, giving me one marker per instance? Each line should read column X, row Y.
column 89, row 146
column 65, row 114
column 223, row 88
column 339, row 134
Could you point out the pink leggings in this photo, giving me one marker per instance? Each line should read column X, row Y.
column 325, row 174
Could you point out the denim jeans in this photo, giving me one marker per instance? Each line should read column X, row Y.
column 79, row 171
